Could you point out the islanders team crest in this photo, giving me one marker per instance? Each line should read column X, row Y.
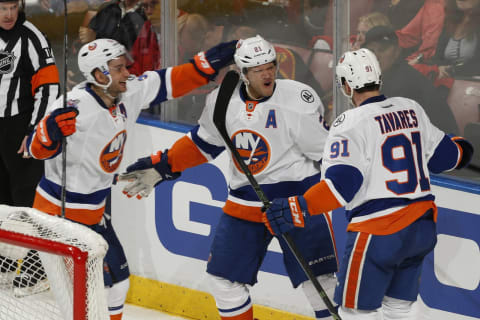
column 253, row 148
column 112, row 154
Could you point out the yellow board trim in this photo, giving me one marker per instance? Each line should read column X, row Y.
column 190, row 303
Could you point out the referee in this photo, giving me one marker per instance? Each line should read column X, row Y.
column 28, row 84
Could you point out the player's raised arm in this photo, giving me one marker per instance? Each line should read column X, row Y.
column 200, row 145
column 173, row 82
column 203, row 67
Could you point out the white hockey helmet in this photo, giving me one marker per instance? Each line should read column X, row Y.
column 253, row 52
column 358, row 68
column 96, row 54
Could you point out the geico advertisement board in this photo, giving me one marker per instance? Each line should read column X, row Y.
column 167, row 236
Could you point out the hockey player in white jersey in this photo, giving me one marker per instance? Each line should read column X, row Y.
column 99, row 113
column 271, row 123
column 376, row 163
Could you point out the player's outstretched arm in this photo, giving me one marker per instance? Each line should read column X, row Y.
column 148, row 172
column 452, row 152
column 44, row 141
column 201, row 69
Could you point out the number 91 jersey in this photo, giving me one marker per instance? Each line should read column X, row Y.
column 387, row 144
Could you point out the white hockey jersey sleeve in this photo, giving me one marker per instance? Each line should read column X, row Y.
column 206, row 136
column 309, row 136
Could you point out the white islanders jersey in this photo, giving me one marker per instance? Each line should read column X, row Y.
column 280, row 138
column 389, row 142
column 95, row 150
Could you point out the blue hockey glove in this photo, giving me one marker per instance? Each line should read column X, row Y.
column 58, row 124
column 284, row 214
column 146, row 173
column 209, row 62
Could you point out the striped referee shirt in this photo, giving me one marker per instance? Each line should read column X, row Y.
column 29, row 79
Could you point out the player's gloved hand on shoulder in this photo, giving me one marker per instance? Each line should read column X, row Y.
column 146, row 173
column 284, row 214
column 209, row 62
column 58, row 124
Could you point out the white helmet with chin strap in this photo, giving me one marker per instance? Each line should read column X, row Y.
column 95, row 55
column 253, row 52
column 359, row 68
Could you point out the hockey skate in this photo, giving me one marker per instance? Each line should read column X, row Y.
column 32, row 278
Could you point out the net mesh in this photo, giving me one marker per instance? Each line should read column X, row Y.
column 35, row 284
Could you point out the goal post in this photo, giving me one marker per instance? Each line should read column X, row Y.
column 72, row 258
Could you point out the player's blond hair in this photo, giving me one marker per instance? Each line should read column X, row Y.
column 374, row 19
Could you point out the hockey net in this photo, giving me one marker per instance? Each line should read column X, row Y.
column 61, row 278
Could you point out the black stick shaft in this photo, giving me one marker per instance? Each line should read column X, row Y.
column 64, row 139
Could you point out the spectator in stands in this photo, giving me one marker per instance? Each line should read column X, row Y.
column 145, row 51
column 57, row 6
column 458, row 50
column 128, row 22
column 120, row 20
column 192, row 29
column 314, row 14
column 401, row 79
column 399, row 12
column 420, row 35
column 366, row 23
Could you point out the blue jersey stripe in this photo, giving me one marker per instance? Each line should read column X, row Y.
column 376, row 205
column 206, row 147
column 236, row 308
column 162, row 92
column 55, row 191
column 277, row 190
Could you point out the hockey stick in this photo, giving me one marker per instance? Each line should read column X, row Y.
column 227, row 87
column 64, row 139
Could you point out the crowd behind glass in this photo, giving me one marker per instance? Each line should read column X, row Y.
column 432, row 46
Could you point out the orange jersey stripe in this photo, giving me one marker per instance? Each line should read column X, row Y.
column 247, row 315
column 355, row 268
column 320, row 199
column 185, row 78
column 116, row 316
column 330, row 227
column 88, row 217
column 48, row 74
column 395, row 221
column 184, row 154
column 460, row 149
column 243, row 212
